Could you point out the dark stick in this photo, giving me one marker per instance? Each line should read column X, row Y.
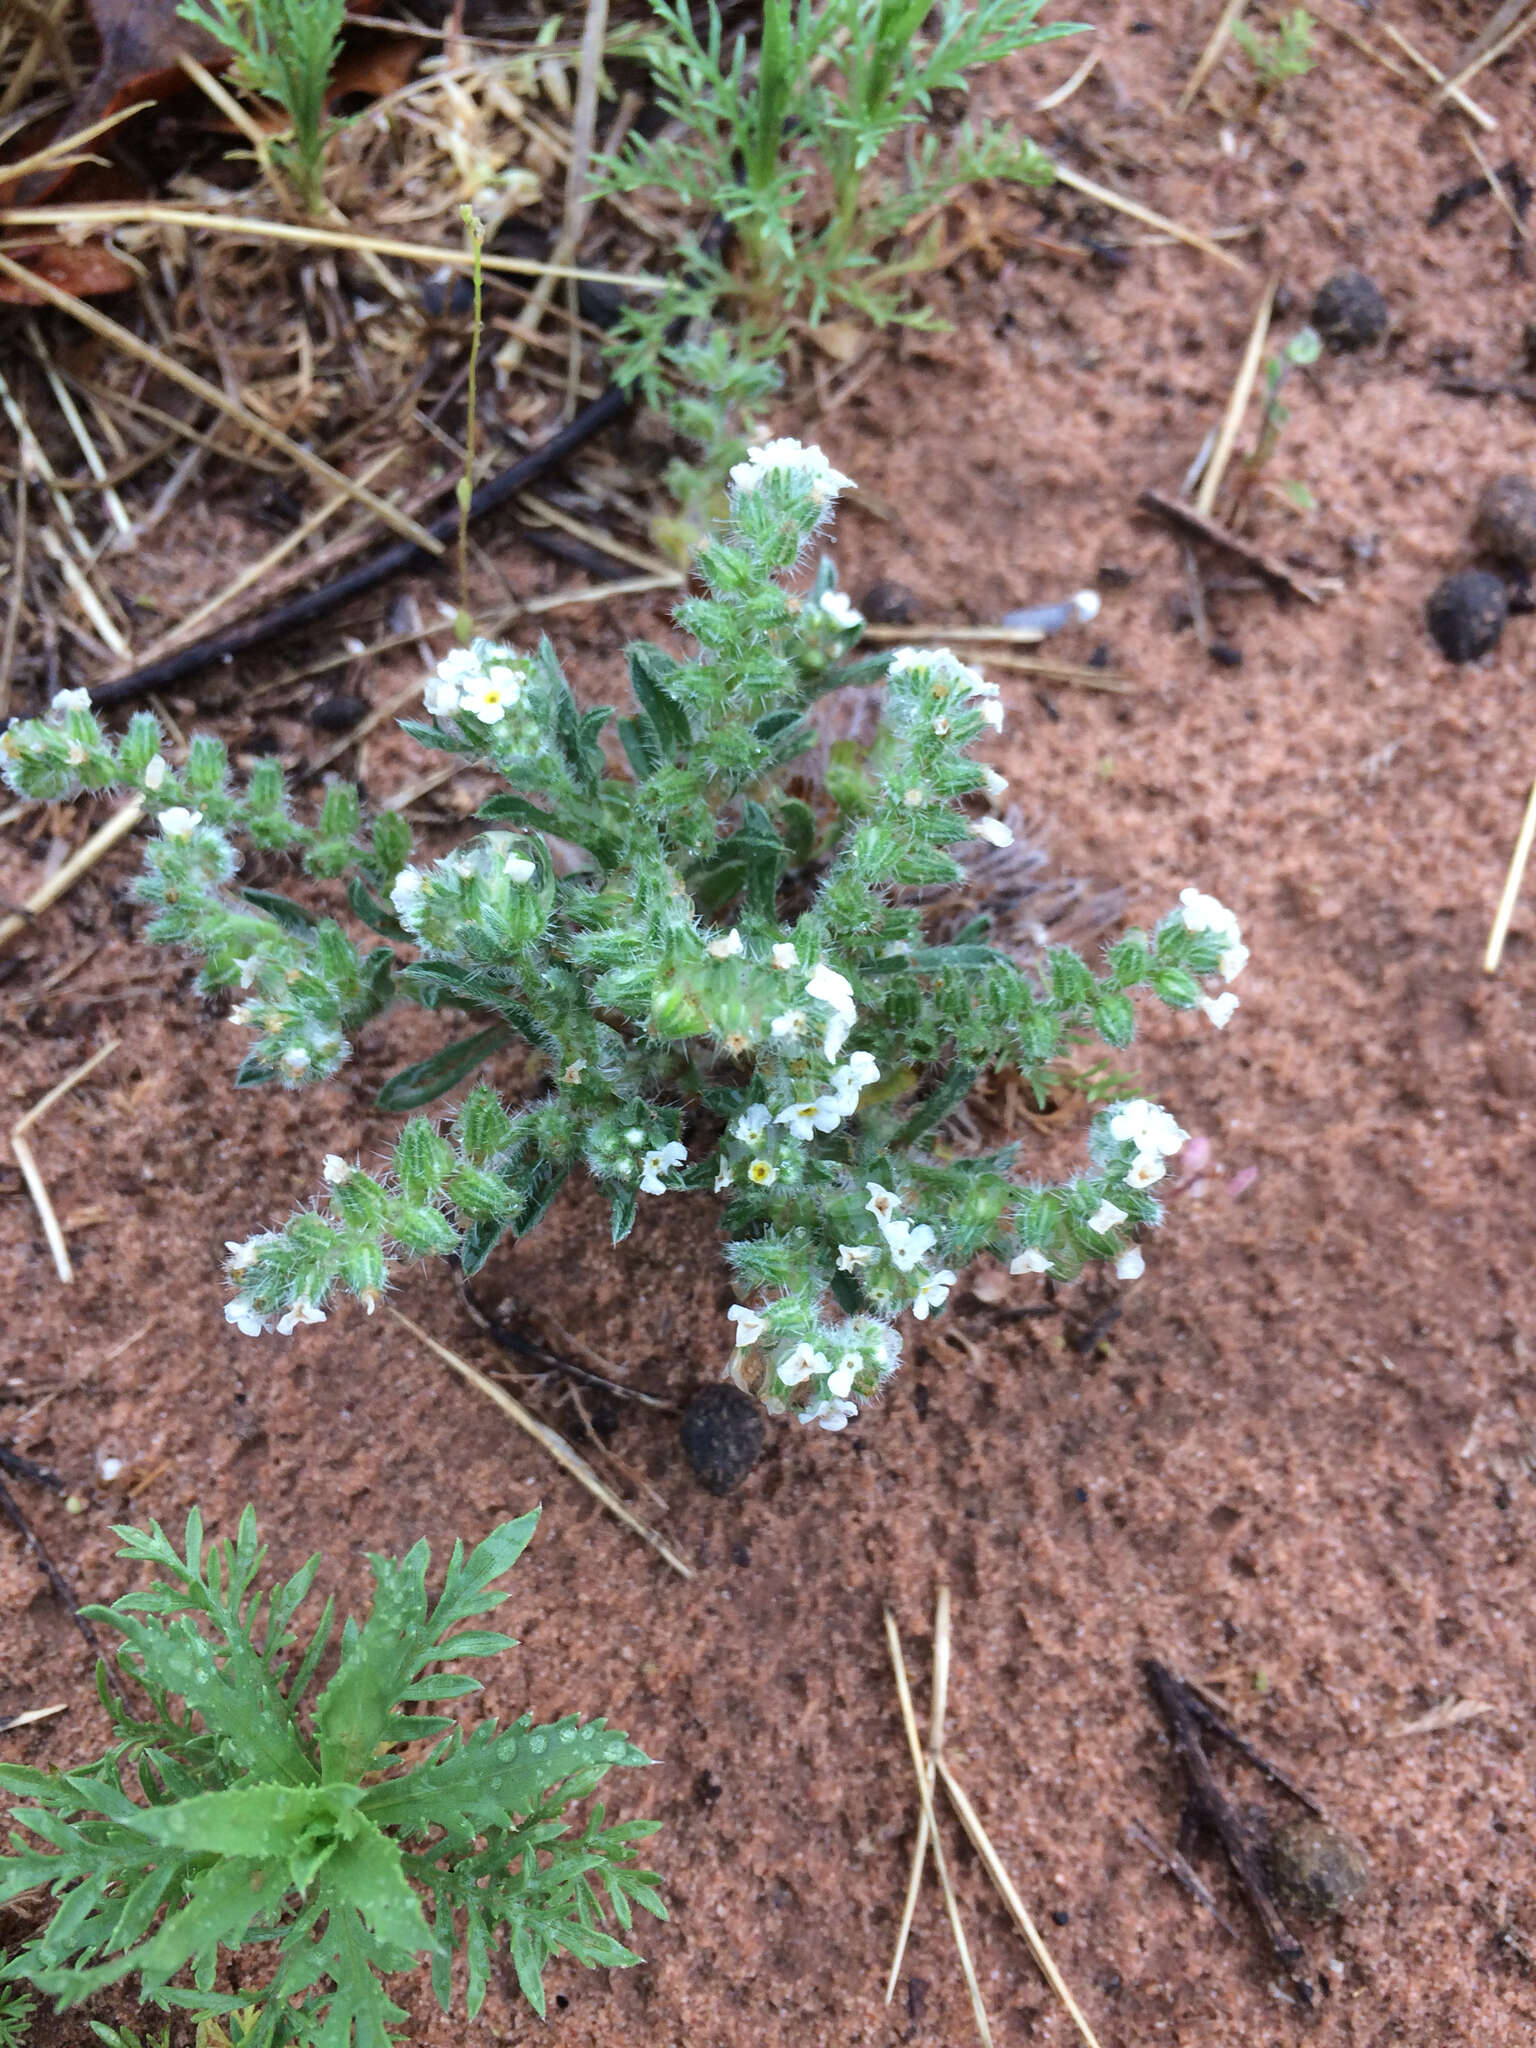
column 1487, row 387
column 1187, row 520
column 1207, row 1715
column 549, row 1361
column 403, row 557
column 1212, row 1806
column 22, row 1468
column 1178, row 1869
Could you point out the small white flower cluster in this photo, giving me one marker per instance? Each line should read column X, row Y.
column 242, row 1312
column 494, row 859
column 1155, row 1136
column 810, row 467
column 859, row 1346
column 484, row 679
column 947, row 676
column 836, row 607
column 1199, row 913
column 906, row 1243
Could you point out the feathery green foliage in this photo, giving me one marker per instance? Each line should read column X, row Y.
column 284, row 50
column 282, row 1815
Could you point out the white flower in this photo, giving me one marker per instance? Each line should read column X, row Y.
column 993, row 830
column 301, row 1312
column 1130, row 1265
column 811, row 466
column 728, row 948
column 154, row 771
column 336, row 1170
column 634, row 1135
column 801, row 1364
column 914, row 799
column 1144, row 1170
column 1105, row 1217
column 74, row 753
column 827, row 986
column 296, row 1060
column 908, row 1242
column 491, row 696
column 993, row 783
column 762, row 1173
column 831, row 1414
column 656, row 1163
column 177, row 823
column 882, row 1204
column 974, row 682
column 244, row 1316
column 933, row 1293
column 752, row 1123
column 1147, row 1127
column 791, row 1025
column 519, row 869
column 573, row 1073
column 843, row 614
column 851, row 1256
column 241, row 1256
column 1200, row 913
column 991, row 713
column 441, row 693
column 1030, row 1261
column 784, row 956
column 407, row 892
column 1220, row 1009
column 65, row 701
column 805, row 1119
column 840, row 1379
column 723, row 1177
column 1232, row 962
column 749, row 1325
column 858, row 1073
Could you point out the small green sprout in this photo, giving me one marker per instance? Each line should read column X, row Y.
column 284, row 51
column 1285, row 55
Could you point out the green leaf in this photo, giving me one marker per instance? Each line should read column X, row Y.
column 623, row 1203
column 366, row 1872
column 650, row 670
column 293, row 917
column 477, row 989
column 434, row 1076
column 641, row 747
column 374, row 912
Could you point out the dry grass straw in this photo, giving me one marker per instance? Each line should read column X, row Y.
column 130, row 344
column 1510, row 895
column 1063, row 93
column 981, row 1842
column 936, row 1714
column 1228, row 19
column 22, row 1153
column 548, row 1439
column 1237, row 405
column 30, row 1716
column 920, row 1770
column 102, row 840
column 1448, row 89
column 1495, row 184
column 1479, row 59
column 1135, row 211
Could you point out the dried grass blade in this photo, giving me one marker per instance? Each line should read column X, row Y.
column 85, row 593
column 925, row 1795
column 101, row 841
column 142, row 351
column 981, row 1843
column 1448, row 89
column 60, row 154
column 1451, row 90
column 310, row 237
column 1237, row 404
column 935, row 1744
column 1226, row 21
column 1511, row 891
column 1120, row 204
column 22, row 1153
column 550, row 1439
column 1063, row 93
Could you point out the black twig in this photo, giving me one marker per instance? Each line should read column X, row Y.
column 398, row 560
column 547, row 1361
column 1186, row 1714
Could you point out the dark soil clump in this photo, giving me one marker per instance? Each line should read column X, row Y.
column 1467, row 613
column 722, row 1434
column 1317, row 1869
column 1349, row 312
column 1506, row 520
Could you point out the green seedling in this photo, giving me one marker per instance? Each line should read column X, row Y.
column 284, row 51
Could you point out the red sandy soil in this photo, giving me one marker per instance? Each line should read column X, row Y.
column 1299, row 1465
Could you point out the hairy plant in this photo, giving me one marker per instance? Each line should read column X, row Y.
column 284, row 51
column 289, row 1820
column 723, row 973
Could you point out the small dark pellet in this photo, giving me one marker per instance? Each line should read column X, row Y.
column 1349, row 312
column 1225, row 655
column 722, row 1435
column 338, row 714
column 1505, row 523
column 1466, row 614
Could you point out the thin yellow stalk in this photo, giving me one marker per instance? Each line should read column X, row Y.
column 129, row 343
column 1449, row 90
column 102, row 840
column 85, row 593
column 1118, row 201
column 971, row 1822
column 60, row 154
column 1063, row 93
column 925, row 1796
column 22, row 1153
column 1511, row 892
column 249, row 228
column 64, row 399
column 936, row 1714
column 1237, row 404
column 550, row 1440
column 1228, row 19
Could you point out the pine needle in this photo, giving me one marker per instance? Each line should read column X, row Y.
column 102, row 840
column 1237, row 404
column 22, row 1153
column 1120, row 204
column 935, row 1744
column 550, row 1440
column 925, row 1796
column 1511, row 893
column 1228, row 19
column 1449, row 89
column 981, row 1843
